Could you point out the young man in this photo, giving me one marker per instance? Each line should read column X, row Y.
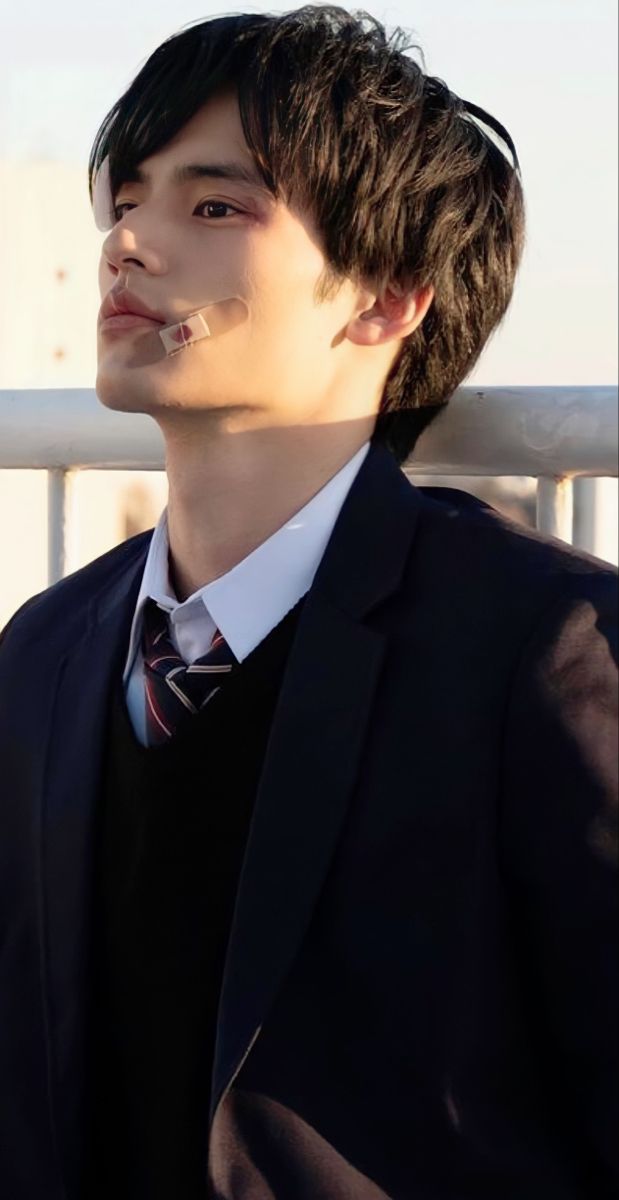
column 328, row 915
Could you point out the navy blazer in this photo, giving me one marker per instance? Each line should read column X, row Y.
column 419, row 999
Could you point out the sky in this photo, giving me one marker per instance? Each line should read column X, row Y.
column 547, row 69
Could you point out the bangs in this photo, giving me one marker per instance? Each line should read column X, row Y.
column 175, row 83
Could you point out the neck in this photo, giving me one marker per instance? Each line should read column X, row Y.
column 229, row 491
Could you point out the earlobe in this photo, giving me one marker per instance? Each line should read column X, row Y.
column 395, row 316
column 367, row 330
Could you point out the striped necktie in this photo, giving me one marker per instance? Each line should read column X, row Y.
column 174, row 690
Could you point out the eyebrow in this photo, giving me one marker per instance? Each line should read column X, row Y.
column 232, row 171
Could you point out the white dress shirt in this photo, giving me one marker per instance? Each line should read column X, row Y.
column 248, row 601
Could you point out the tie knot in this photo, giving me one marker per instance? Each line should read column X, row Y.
column 175, row 690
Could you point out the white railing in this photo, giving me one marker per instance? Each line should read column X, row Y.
column 560, row 436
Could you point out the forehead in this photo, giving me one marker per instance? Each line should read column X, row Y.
column 213, row 134
column 219, row 121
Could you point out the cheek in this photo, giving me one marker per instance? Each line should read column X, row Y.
column 282, row 268
column 288, row 328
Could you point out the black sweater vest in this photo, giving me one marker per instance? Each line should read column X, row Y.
column 173, row 825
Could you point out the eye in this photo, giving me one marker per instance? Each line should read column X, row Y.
column 218, row 204
column 116, row 211
column 118, row 214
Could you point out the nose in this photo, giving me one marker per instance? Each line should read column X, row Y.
column 123, row 267
column 126, row 249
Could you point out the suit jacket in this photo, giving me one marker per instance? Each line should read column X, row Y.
column 419, row 999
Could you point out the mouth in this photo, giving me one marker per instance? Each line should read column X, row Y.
column 120, row 322
column 121, row 302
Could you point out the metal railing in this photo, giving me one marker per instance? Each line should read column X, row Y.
column 557, row 435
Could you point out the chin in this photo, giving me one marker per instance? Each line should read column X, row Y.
column 119, row 394
column 111, row 398
column 125, row 394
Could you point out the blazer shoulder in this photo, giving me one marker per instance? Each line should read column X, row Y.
column 498, row 572
column 75, row 591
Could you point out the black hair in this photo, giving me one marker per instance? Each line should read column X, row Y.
column 404, row 184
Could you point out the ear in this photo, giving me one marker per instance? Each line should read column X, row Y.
column 393, row 316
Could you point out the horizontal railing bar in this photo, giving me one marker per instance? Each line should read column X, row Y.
column 536, row 431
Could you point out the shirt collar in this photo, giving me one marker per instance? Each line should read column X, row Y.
column 254, row 596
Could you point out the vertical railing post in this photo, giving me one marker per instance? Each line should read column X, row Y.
column 555, row 507
column 595, row 516
column 59, row 488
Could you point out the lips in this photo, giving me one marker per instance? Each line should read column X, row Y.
column 127, row 321
column 125, row 302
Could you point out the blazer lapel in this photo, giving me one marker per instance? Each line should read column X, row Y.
column 70, row 789
column 313, row 752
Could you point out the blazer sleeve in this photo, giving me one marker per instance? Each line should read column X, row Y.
column 558, row 843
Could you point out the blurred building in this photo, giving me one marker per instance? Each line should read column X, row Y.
column 49, row 256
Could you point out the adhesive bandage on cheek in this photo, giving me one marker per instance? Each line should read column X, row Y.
column 212, row 319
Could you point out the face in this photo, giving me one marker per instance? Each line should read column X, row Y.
column 180, row 247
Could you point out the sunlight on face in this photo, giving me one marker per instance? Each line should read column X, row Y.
column 179, row 246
